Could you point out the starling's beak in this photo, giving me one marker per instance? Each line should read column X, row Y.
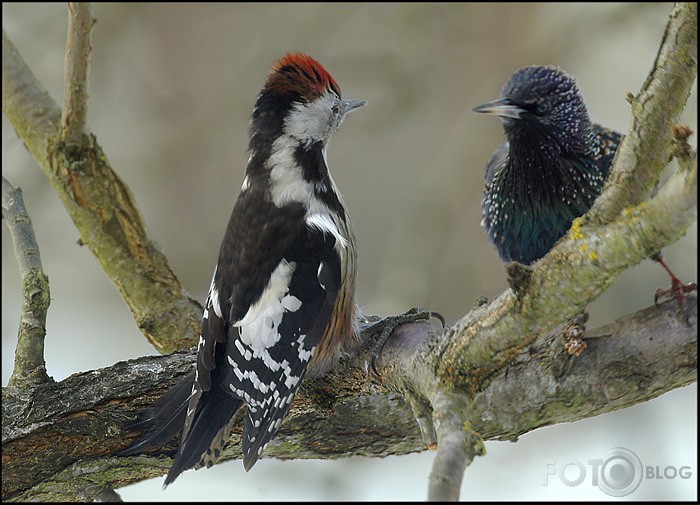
column 502, row 107
column 350, row 105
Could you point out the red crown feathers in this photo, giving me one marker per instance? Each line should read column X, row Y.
column 301, row 74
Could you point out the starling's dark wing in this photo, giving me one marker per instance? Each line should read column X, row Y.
column 498, row 159
column 607, row 143
column 493, row 218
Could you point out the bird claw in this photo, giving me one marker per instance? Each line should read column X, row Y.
column 677, row 290
column 381, row 330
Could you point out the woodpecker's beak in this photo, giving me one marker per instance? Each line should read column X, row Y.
column 350, row 105
column 503, row 107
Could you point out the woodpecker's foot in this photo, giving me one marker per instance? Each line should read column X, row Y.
column 677, row 288
column 574, row 334
column 379, row 332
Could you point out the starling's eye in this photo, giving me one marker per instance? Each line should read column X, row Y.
column 542, row 108
column 335, row 109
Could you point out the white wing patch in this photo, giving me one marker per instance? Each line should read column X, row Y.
column 304, row 355
column 325, row 224
column 214, row 298
column 259, row 327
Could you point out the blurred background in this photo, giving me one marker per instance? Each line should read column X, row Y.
column 171, row 89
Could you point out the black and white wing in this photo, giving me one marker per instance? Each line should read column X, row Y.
column 264, row 317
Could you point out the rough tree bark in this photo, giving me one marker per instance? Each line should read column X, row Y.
column 499, row 372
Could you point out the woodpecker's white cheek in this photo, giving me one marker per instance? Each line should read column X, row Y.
column 313, row 121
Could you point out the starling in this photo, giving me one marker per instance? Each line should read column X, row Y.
column 550, row 169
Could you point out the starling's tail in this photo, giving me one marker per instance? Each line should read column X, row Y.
column 162, row 420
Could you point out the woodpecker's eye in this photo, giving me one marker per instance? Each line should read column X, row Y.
column 335, row 109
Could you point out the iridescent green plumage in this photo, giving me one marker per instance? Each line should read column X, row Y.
column 551, row 168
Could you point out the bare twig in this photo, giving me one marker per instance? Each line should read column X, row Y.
column 75, row 92
column 646, row 149
column 29, row 355
column 457, row 446
column 103, row 210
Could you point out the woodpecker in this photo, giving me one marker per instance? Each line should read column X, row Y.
column 282, row 298
column 551, row 168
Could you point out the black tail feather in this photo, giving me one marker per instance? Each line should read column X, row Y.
column 209, row 430
column 162, row 420
column 208, row 433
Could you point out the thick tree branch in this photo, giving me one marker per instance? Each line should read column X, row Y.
column 79, row 420
column 30, row 366
column 103, row 210
column 635, row 358
column 27, row 104
column 75, row 86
